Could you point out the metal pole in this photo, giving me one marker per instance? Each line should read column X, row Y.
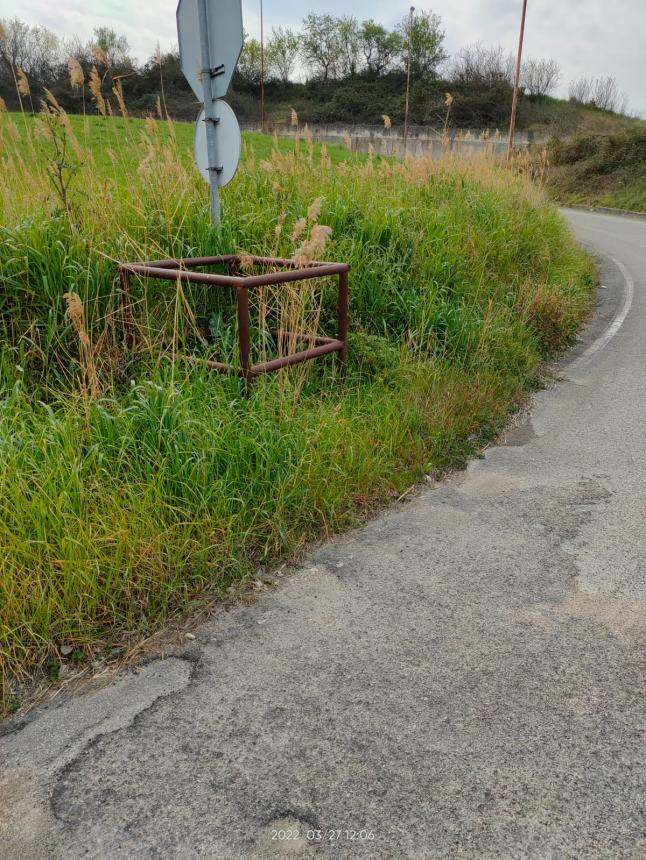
column 210, row 116
column 514, row 102
column 262, row 71
column 244, row 336
column 342, row 317
column 410, row 32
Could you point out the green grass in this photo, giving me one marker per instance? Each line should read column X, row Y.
column 118, row 509
column 600, row 171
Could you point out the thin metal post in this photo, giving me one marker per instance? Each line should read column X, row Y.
column 211, row 119
column 342, row 317
column 262, row 71
column 244, row 338
column 514, row 102
column 410, row 35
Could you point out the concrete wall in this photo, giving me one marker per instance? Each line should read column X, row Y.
column 421, row 139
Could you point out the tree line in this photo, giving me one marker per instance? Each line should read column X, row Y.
column 333, row 68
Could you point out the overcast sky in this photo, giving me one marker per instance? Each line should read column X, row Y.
column 586, row 37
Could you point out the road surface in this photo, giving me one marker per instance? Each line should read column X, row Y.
column 460, row 678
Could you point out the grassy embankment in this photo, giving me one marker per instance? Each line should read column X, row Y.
column 600, row 171
column 129, row 483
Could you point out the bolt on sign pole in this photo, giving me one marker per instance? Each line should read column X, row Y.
column 514, row 102
column 210, row 117
column 410, row 33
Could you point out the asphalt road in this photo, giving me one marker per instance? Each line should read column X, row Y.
column 460, row 678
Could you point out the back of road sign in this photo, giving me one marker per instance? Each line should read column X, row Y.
column 225, row 43
column 228, row 144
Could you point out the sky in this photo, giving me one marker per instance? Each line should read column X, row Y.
column 586, row 37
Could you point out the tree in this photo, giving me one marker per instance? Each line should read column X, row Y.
column 321, row 46
column 114, row 47
column 601, row 93
column 379, row 47
column 250, row 63
column 605, row 95
column 482, row 66
column 282, row 52
column 580, row 90
column 349, row 46
column 36, row 50
column 540, row 77
column 421, row 34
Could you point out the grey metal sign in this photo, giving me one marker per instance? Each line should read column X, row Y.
column 210, row 41
column 228, row 138
column 224, row 24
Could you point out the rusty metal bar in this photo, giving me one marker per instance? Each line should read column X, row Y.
column 342, row 317
column 244, row 337
column 171, row 270
column 212, row 365
column 514, row 101
column 300, row 337
column 325, row 270
column 296, row 357
column 221, row 259
column 183, row 275
column 238, row 282
column 189, row 262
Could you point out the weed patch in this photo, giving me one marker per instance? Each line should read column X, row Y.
column 130, row 483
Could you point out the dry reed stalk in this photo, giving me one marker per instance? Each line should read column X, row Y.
column 294, row 118
column 387, row 120
column 100, row 56
column 314, row 210
column 76, row 314
column 326, row 161
column 298, row 229
column 117, row 89
column 22, row 82
column 95, row 89
column 65, row 123
column 151, row 126
column 245, row 260
column 77, row 78
column 3, row 105
column 278, row 229
column 369, row 163
column 313, row 247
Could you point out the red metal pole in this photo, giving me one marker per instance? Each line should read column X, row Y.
column 342, row 317
column 262, row 71
column 244, row 337
column 410, row 33
column 514, row 103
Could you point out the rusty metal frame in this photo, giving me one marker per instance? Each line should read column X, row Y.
column 180, row 269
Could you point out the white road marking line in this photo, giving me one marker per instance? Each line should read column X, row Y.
column 619, row 318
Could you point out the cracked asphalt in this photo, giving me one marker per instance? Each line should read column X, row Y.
column 462, row 677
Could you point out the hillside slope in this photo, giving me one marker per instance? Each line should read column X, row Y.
column 600, row 171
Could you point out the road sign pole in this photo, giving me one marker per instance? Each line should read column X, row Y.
column 210, row 117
